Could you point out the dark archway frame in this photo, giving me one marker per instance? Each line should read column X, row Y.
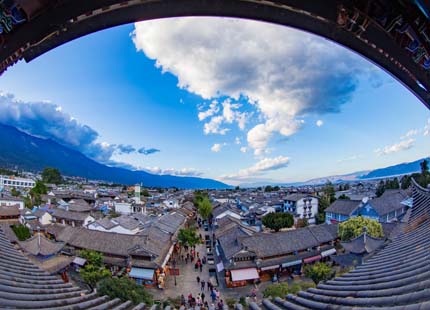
column 50, row 23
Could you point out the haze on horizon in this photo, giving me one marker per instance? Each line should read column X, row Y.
column 235, row 100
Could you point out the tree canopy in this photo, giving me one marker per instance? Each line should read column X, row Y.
column 52, row 175
column 94, row 269
column 124, row 289
column 327, row 197
column 318, row 272
column 21, row 231
column 277, row 221
column 205, row 208
column 188, row 236
column 343, row 196
column 354, row 227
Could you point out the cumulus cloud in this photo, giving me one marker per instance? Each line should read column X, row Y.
column 213, row 109
column 216, row 147
column 285, row 74
column 264, row 165
column 191, row 172
column 319, row 123
column 47, row 120
column 243, row 149
column 395, row 148
column 146, row 151
column 237, row 141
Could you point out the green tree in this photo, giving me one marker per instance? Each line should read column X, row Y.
column 39, row 188
column 424, row 167
column 36, row 192
column 268, row 189
column 405, row 181
column 276, row 290
column 318, row 272
column 14, row 192
column 277, row 221
column 21, row 231
column 343, row 196
column 188, row 236
column 94, row 269
column 124, row 289
column 28, row 203
column 205, row 208
column 145, row 193
column 52, row 175
column 380, row 189
column 354, row 227
column 327, row 197
column 276, row 188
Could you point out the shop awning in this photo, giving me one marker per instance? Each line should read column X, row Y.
column 270, row 267
column 311, row 259
column 220, row 267
column 166, row 259
column 79, row 261
column 328, row 252
column 293, row 263
column 141, row 273
column 244, row 274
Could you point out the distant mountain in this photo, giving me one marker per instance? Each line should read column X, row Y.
column 31, row 153
column 400, row 169
column 396, row 170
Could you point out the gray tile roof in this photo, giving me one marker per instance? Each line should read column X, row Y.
column 41, row 246
column 389, row 201
column 343, row 206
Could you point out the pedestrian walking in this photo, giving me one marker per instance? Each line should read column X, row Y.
column 213, row 296
column 209, row 286
column 203, row 297
column 217, row 294
column 196, row 266
column 221, row 305
column 202, row 285
column 201, row 267
column 183, row 300
column 198, row 279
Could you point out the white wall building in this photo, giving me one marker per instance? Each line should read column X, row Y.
column 302, row 206
column 9, row 201
column 12, row 181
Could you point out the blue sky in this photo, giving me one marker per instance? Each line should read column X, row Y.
column 238, row 101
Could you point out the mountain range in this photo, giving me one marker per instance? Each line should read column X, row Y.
column 390, row 171
column 23, row 151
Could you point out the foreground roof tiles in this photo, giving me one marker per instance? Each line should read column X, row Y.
column 397, row 277
column 23, row 285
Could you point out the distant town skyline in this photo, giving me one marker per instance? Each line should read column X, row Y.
column 234, row 100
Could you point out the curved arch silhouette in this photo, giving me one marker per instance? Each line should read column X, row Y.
column 395, row 38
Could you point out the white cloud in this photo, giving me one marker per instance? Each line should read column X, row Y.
column 243, row 149
column 264, row 165
column 410, row 133
column 213, row 109
column 401, row 146
column 285, row 74
column 214, row 126
column 319, row 123
column 172, row 171
column 48, row 120
column 216, row 147
column 237, row 141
